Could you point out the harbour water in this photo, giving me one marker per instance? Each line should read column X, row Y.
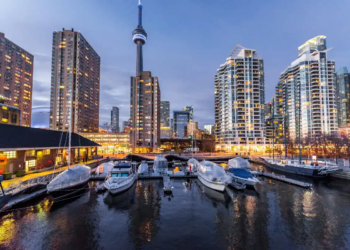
column 274, row 216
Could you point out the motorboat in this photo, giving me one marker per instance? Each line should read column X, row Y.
column 121, row 178
column 213, row 176
column 192, row 165
column 160, row 165
column 143, row 168
column 70, row 181
column 239, row 162
column 104, row 169
column 238, row 170
column 167, row 184
column 242, row 176
column 305, row 167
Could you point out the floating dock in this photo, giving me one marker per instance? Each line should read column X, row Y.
column 170, row 174
column 284, row 179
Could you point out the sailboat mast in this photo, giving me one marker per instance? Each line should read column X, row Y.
column 70, row 127
column 299, row 122
column 273, row 128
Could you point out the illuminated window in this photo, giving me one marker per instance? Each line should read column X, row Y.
column 10, row 154
column 46, row 151
column 30, row 153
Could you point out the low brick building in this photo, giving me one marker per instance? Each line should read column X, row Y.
column 29, row 149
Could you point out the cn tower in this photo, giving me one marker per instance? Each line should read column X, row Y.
column 139, row 37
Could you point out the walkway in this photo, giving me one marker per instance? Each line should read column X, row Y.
column 7, row 183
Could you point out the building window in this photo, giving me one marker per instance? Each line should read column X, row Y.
column 13, row 118
column 46, row 151
column 30, row 153
column 10, row 154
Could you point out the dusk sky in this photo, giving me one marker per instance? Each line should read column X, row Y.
column 187, row 41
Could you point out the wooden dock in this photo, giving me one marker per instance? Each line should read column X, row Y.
column 284, row 179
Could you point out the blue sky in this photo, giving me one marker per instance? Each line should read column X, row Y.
column 187, row 41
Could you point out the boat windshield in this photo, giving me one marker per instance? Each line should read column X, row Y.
column 119, row 175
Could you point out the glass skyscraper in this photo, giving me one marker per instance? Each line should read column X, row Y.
column 164, row 119
column 189, row 109
column 343, row 96
column 239, row 101
column 308, row 82
column 181, row 119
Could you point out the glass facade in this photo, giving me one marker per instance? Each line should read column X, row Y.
column 165, row 119
column 181, row 119
column 308, row 82
column 343, row 96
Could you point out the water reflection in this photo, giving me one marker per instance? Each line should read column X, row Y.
column 274, row 216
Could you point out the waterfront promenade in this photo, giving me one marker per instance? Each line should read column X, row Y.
column 7, row 183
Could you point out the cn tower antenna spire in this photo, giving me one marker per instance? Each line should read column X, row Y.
column 140, row 2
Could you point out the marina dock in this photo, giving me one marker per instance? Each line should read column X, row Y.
column 284, row 179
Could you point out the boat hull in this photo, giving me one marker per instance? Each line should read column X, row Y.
column 244, row 181
column 69, row 191
column 295, row 170
column 122, row 188
column 216, row 186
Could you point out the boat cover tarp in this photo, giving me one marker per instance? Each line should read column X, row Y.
column 194, row 163
column 213, row 172
column 240, row 172
column 70, row 177
column 160, row 164
column 143, row 168
column 104, row 168
column 239, row 162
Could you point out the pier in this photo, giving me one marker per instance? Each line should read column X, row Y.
column 284, row 179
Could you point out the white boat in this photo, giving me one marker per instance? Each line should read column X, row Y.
column 192, row 165
column 213, row 176
column 238, row 170
column 72, row 180
column 239, row 162
column 104, row 169
column 69, row 181
column 143, row 168
column 121, row 178
column 160, row 165
column 167, row 184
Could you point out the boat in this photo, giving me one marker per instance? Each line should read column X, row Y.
column 168, row 184
column 238, row 171
column 143, row 168
column 160, row 165
column 213, row 176
column 121, row 178
column 70, row 181
column 317, row 169
column 239, row 162
column 192, row 165
column 104, row 169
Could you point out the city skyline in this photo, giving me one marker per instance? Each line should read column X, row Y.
column 117, row 53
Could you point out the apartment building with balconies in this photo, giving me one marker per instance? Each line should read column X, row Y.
column 239, row 102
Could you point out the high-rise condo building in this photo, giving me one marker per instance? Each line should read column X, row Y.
column 16, row 78
column 181, row 119
column 125, row 124
column 115, row 119
column 75, row 83
column 343, row 96
column 164, row 119
column 239, row 101
column 144, row 100
column 273, row 123
column 305, row 94
column 190, row 110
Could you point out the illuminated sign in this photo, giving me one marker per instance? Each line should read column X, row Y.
column 139, row 36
